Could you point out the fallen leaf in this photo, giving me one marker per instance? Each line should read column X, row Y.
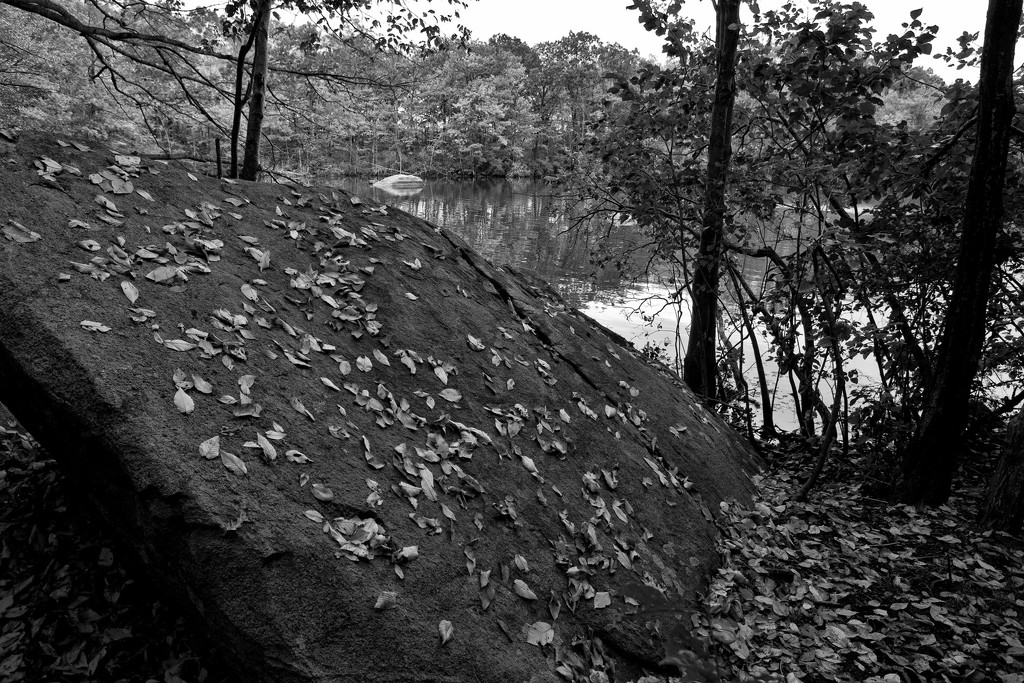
column 183, row 402
column 297, row 456
column 321, row 492
column 179, row 345
column 301, row 409
column 162, row 274
column 233, row 463
column 451, row 395
column 522, row 590
column 19, row 233
column 268, row 448
column 93, row 326
column 539, row 633
column 210, row 448
column 446, row 630
column 130, row 291
column 386, row 600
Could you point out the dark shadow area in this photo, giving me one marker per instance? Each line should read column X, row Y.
column 72, row 605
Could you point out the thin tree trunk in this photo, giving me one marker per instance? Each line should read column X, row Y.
column 240, row 96
column 699, row 365
column 929, row 461
column 254, row 129
column 767, row 409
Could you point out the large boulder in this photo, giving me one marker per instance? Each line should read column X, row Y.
column 348, row 444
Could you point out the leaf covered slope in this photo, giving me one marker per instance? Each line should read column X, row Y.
column 347, row 442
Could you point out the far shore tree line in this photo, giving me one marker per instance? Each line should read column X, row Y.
column 883, row 200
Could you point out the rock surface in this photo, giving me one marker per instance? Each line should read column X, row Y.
column 354, row 448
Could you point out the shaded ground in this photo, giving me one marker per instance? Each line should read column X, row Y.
column 842, row 588
column 71, row 607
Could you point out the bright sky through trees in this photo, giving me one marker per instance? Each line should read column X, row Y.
column 535, row 21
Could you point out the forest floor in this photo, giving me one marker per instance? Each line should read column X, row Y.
column 840, row 588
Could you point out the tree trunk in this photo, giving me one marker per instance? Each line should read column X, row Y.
column 241, row 96
column 699, row 366
column 1004, row 502
column 929, row 461
column 254, row 129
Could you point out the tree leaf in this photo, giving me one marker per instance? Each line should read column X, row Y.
column 130, row 291
column 183, row 402
column 539, row 633
column 268, row 448
column 522, row 590
column 446, row 630
column 386, row 600
column 451, row 395
column 210, row 448
column 17, row 232
column 201, row 385
column 233, row 463
column 301, row 409
column 93, row 326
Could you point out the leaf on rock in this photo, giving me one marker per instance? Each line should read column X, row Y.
column 539, row 633
column 162, row 274
column 105, row 203
column 381, row 358
column 386, row 600
column 364, row 363
column 321, row 492
column 475, row 343
column 210, row 448
column 130, row 291
column 201, row 385
column 183, row 402
column 451, row 395
column 233, row 463
column 301, row 409
column 179, row 345
column 329, row 384
column 522, row 590
column 446, row 630
column 602, row 599
column 17, row 232
column 93, row 326
column 297, row 456
column 268, row 448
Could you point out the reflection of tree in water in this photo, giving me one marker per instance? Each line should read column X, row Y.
column 521, row 223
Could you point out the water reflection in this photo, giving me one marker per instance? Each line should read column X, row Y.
column 522, row 223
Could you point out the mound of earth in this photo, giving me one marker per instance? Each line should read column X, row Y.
column 353, row 448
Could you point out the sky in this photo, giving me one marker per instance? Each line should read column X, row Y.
column 536, row 21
